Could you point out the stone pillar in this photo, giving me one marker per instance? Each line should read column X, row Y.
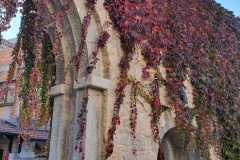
column 96, row 87
column 61, row 122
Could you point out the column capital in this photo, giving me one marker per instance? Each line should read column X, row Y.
column 93, row 82
column 59, row 90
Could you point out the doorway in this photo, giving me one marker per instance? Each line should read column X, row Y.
column 1, row 154
column 174, row 146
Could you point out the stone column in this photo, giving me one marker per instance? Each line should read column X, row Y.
column 96, row 87
column 61, row 122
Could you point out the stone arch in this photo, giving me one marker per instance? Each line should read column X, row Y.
column 69, row 27
column 166, row 123
column 174, row 146
column 70, row 40
column 62, row 92
column 67, row 92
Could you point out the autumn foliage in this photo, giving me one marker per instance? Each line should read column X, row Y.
column 199, row 39
column 195, row 38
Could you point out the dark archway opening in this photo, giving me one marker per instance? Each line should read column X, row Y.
column 176, row 145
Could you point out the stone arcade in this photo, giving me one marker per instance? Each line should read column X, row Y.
column 68, row 93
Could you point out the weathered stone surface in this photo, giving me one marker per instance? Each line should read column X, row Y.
column 101, row 87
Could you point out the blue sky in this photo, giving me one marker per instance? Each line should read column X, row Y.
column 12, row 32
column 233, row 5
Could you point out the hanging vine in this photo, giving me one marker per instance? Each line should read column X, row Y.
column 196, row 38
column 33, row 53
column 47, row 70
column 27, row 47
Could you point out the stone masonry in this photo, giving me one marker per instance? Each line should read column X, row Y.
column 68, row 95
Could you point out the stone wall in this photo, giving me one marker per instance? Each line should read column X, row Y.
column 100, row 86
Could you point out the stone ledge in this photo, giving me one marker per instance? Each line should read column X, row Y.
column 93, row 82
column 59, row 90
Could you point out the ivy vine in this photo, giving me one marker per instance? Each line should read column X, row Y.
column 195, row 38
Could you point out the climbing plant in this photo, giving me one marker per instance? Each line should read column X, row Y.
column 33, row 54
column 199, row 39
column 195, row 38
